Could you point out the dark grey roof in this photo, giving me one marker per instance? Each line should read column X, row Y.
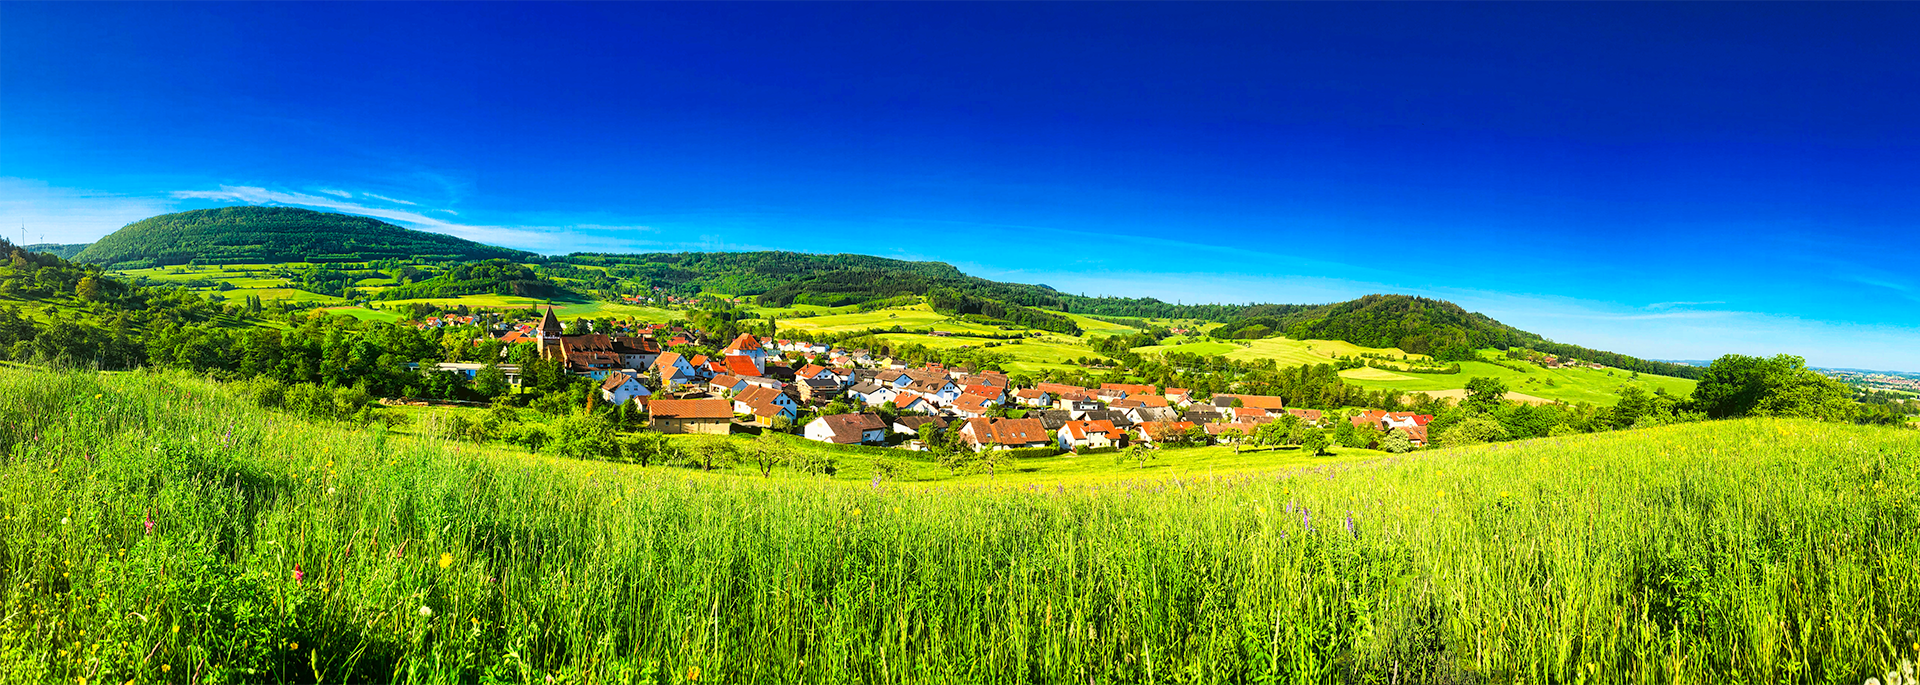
column 1052, row 419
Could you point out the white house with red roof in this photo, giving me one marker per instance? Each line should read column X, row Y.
column 621, row 387
column 749, row 347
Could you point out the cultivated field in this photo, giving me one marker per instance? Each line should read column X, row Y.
column 153, row 529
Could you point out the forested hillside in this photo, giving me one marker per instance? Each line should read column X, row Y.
column 493, row 276
column 234, row 235
column 73, row 315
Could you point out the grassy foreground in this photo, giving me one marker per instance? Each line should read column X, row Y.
column 279, row 550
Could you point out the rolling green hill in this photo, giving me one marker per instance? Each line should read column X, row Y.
column 259, row 235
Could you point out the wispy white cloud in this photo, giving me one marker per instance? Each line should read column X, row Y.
column 392, row 200
column 1671, row 305
column 335, row 193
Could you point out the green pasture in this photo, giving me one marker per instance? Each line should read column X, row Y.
column 364, row 314
column 158, row 529
column 1596, row 386
column 1285, row 351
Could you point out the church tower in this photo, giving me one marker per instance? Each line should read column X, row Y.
column 550, row 333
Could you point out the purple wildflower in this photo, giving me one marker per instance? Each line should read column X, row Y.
column 1350, row 524
column 148, row 523
column 298, row 575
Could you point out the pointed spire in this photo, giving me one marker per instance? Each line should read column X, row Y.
column 550, row 324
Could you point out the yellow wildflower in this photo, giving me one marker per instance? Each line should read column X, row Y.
column 446, row 560
column 693, row 673
column 166, row 668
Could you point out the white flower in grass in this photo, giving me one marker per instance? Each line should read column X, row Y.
column 63, row 520
column 425, row 611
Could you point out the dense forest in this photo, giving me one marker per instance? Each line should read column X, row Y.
column 493, row 276
column 260, row 235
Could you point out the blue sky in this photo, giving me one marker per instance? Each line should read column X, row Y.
column 1671, row 181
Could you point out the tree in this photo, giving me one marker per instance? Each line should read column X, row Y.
column 1738, row 385
column 1484, row 393
column 1396, row 442
column 88, row 289
column 1315, row 441
column 1472, row 430
column 1139, row 454
column 1233, row 436
column 490, row 381
column 711, row 450
column 769, row 451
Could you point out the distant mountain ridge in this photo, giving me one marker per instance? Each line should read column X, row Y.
column 237, row 235
column 56, row 249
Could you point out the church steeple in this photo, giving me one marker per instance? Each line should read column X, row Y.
column 549, row 333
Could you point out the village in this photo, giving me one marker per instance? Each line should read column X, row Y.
column 832, row 395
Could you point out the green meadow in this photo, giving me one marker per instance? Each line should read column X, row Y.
column 154, row 528
column 1596, row 386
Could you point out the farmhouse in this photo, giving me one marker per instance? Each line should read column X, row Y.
column 709, row 416
column 972, row 406
column 918, row 425
column 1005, row 433
column 1077, row 435
column 749, row 348
column 621, row 387
column 752, row 397
column 848, row 429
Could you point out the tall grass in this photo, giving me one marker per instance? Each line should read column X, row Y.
column 1750, row 551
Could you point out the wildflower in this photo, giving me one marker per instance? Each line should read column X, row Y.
column 166, row 668
column 425, row 612
column 856, row 511
column 295, row 646
column 298, row 575
column 149, row 523
column 693, row 673
column 446, row 560
column 63, row 520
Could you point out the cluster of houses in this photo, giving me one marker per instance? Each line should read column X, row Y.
column 751, row 382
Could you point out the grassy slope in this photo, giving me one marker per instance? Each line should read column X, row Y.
column 1758, row 550
column 1573, row 385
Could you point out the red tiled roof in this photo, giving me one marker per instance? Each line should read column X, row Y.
column 1261, row 401
column 847, row 428
column 1306, row 414
column 983, row 391
column 1019, row 432
column 811, row 370
column 1128, row 388
column 1158, row 429
column 971, row 404
column 745, row 343
column 755, row 394
column 1079, row 430
column 615, row 380
column 691, row 409
column 741, row 365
